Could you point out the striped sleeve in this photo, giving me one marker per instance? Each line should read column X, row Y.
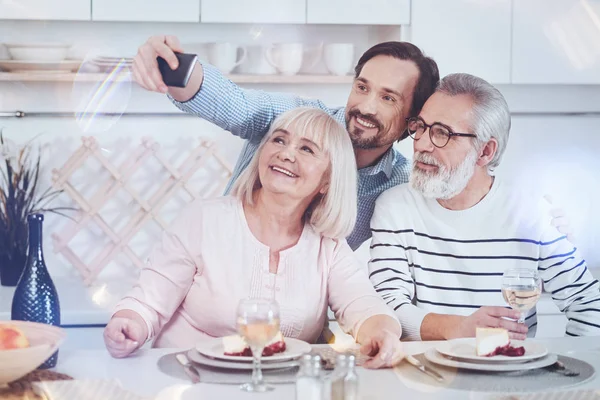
column 573, row 288
column 243, row 112
column 389, row 269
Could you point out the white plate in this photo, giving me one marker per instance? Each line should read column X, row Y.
column 294, row 348
column 39, row 66
column 36, row 44
column 119, row 61
column 113, row 59
column 198, row 358
column 465, row 350
column 437, row 358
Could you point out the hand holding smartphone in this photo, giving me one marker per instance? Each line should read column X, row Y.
column 180, row 76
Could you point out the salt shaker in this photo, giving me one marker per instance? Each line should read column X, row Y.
column 351, row 380
column 337, row 377
column 308, row 380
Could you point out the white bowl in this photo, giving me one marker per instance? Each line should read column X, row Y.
column 44, row 340
column 47, row 52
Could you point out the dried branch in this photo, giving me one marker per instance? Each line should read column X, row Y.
column 19, row 197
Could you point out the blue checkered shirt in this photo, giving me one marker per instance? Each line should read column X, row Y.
column 249, row 113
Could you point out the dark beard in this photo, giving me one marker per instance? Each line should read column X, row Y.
column 358, row 142
column 356, row 133
column 379, row 140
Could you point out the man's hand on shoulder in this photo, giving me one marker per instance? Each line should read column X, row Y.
column 560, row 220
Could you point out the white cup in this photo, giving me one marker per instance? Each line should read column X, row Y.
column 286, row 57
column 224, row 56
column 339, row 58
column 256, row 62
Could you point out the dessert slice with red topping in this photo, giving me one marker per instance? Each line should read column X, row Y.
column 235, row 345
column 494, row 342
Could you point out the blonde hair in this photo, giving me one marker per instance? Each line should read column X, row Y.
column 332, row 214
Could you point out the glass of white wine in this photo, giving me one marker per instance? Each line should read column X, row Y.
column 521, row 288
column 258, row 324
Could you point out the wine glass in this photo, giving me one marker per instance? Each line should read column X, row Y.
column 521, row 288
column 258, row 324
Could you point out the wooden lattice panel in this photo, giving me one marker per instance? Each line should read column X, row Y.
column 147, row 206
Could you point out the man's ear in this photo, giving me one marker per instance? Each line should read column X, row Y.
column 487, row 153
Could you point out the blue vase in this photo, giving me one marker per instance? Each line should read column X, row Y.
column 35, row 297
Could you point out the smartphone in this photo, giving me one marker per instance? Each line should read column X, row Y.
column 180, row 76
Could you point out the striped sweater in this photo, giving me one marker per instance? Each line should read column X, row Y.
column 425, row 258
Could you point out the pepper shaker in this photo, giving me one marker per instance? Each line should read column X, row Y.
column 309, row 385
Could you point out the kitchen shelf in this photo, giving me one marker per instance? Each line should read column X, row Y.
column 96, row 77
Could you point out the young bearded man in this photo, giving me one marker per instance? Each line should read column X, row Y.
column 392, row 81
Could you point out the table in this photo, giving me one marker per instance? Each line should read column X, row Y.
column 139, row 373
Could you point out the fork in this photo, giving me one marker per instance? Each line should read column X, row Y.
column 559, row 367
column 426, row 370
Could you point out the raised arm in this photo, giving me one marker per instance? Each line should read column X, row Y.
column 245, row 113
column 211, row 96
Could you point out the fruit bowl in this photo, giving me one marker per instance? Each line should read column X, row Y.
column 43, row 339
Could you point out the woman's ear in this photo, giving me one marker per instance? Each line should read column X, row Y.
column 324, row 188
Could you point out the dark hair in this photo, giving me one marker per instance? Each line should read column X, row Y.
column 429, row 75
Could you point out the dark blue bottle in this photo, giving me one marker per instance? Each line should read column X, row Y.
column 35, row 297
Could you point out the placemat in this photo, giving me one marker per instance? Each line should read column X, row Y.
column 22, row 388
column 85, row 389
column 500, row 382
column 169, row 365
column 556, row 395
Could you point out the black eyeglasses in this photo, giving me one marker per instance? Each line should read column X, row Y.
column 438, row 133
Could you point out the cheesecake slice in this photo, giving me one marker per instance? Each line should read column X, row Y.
column 235, row 345
column 489, row 340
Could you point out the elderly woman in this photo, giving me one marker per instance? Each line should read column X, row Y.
column 279, row 236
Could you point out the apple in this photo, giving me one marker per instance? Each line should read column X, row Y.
column 12, row 337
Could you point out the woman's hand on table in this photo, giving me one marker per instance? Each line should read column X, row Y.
column 123, row 335
column 384, row 348
column 379, row 337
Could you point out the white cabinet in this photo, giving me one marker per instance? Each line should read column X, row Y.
column 143, row 10
column 465, row 36
column 255, row 11
column 71, row 10
column 556, row 42
column 363, row 12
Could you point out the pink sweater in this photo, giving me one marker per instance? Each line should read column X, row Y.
column 191, row 285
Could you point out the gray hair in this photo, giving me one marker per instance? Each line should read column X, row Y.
column 333, row 214
column 491, row 116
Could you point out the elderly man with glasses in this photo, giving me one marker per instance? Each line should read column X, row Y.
column 442, row 242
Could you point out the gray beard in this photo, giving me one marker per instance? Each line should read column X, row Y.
column 446, row 183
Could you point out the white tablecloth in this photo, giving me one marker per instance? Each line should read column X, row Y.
column 140, row 374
